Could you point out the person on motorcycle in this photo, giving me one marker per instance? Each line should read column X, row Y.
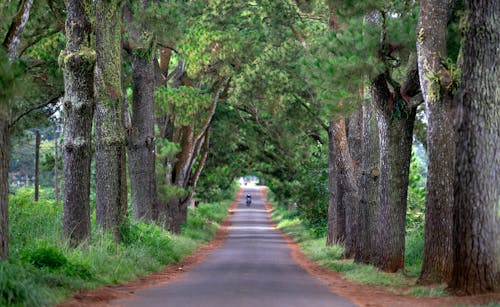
column 249, row 199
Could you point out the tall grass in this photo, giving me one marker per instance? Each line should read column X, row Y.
column 43, row 270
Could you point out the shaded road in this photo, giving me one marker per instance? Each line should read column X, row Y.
column 252, row 268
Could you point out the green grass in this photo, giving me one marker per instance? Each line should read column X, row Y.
column 43, row 270
column 331, row 257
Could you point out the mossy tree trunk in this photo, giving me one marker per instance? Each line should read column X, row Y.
column 441, row 140
column 477, row 179
column 111, row 187
column 78, row 62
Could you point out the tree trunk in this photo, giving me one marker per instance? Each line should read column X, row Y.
column 56, row 170
column 4, row 183
column 37, row 165
column 477, row 181
column 16, row 29
column 369, row 187
column 141, row 141
column 78, row 62
column 396, row 135
column 336, row 213
column 347, row 189
column 441, row 141
column 174, row 216
column 110, row 135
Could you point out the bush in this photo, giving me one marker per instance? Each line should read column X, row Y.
column 47, row 257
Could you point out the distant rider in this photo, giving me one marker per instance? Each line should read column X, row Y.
column 249, row 200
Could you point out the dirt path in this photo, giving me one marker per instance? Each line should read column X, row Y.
column 251, row 263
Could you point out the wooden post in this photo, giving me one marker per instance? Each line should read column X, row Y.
column 37, row 164
column 56, row 171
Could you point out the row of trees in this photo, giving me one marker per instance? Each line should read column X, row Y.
column 144, row 82
column 141, row 79
column 362, row 73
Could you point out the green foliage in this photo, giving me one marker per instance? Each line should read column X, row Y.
column 17, row 287
column 416, row 196
column 47, row 257
column 187, row 103
column 11, row 81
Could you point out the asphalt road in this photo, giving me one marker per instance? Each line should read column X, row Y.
column 253, row 268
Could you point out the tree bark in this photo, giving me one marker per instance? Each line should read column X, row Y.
column 56, row 170
column 78, row 62
column 4, row 182
column 37, row 165
column 16, row 29
column 111, row 196
column 141, row 141
column 347, row 189
column 336, row 213
column 396, row 136
column 369, row 187
column 477, row 178
column 441, row 141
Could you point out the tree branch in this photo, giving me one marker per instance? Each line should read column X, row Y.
column 51, row 100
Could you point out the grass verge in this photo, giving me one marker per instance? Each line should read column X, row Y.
column 43, row 270
column 331, row 257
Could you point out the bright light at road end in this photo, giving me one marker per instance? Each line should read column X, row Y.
column 249, row 181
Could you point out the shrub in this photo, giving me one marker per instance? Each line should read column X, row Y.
column 47, row 257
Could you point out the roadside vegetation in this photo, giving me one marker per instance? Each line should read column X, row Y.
column 308, row 231
column 43, row 269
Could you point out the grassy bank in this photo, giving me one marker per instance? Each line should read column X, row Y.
column 331, row 257
column 43, row 270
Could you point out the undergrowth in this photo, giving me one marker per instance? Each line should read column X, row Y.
column 331, row 257
column 43, row 270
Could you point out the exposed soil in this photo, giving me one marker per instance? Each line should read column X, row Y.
column 366, row 295
column 102, row 296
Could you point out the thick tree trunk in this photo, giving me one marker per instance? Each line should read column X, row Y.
column 477, row 182
column 141, row 141
column 4, row 183
column 369, row 187
column 441, row 141
column 37, row 165
column 355, row 140
column 336, row 227
column 78, row 62
column 110, row 136
column 396, row 135
column 347, row 188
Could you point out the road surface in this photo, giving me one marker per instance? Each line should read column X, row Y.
column 253, row 268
